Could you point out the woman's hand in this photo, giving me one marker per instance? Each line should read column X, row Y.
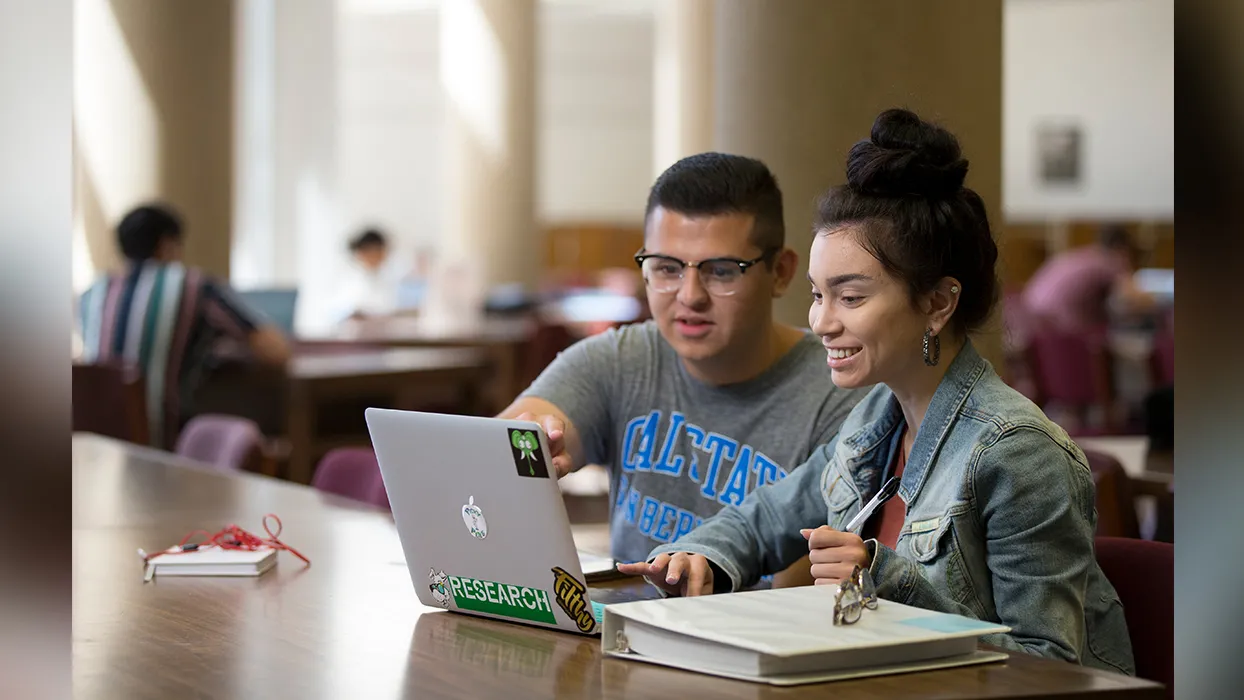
column 834, row 554
column 679, row 574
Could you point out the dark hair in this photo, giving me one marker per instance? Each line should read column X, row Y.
column 142, row 229
column 367, row 239
column 1115, row 237
column 709, row 184
column 905, row 188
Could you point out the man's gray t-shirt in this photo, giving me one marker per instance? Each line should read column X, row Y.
column 678, row 449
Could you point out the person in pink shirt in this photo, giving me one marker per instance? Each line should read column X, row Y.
column 1077, row 289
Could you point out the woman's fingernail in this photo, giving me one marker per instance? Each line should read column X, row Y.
column 671, row 579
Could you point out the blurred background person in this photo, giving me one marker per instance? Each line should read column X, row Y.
column 165, row 318
column 1082, row 288
column 369, row 286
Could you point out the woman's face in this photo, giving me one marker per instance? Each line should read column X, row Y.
column 865, row 318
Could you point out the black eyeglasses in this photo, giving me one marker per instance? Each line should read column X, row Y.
column 720, row 276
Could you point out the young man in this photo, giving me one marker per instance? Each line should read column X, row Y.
column 694, row 409
column 164, row 318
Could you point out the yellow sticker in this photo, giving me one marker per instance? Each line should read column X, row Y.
column 570, row 596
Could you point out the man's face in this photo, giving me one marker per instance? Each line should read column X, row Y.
column 372, row 257
column 702, row 326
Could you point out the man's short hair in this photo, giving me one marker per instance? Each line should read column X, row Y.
column 1115, row 237
column 368, row 239
column 710, row 184
column 142, row 229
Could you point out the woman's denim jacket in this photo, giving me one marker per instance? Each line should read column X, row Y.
column 999, row 519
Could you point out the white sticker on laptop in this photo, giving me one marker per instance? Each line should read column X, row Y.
column 439, row 585
column 473, row 518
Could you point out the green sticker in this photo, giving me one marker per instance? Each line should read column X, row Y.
column 504, row 599
column 528, row 458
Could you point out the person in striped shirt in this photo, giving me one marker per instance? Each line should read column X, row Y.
column 165, row 317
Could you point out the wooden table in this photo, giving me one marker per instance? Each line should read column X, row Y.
column 502, row 339
column 349, row 625
column 1133, row 454
column 405, row 374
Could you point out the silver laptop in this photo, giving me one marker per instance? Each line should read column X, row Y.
column 482, row 521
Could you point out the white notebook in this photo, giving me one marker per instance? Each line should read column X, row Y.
column 787, row 636
column 213, row 561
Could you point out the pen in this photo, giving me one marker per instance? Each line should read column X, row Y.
column 886, row 493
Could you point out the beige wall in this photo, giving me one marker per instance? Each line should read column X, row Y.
column 154, row 120
column 594, row 148
column 800, row 81
column 1107, row 67
column 488, row 79
column 682, row 77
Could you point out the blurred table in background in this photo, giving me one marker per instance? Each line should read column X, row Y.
column 1131, row 351
column 317, row 401
column 1134, row 454
column 477, row 366
column 502, row 339
column 413, row 377
column 588, row 312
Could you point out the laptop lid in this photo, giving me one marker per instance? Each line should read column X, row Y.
column 278, row 305
column 480, row 517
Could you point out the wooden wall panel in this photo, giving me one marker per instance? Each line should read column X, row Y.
column 574, row 252
column 1018, row 258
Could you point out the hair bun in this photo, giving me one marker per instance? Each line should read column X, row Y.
column 906, row 156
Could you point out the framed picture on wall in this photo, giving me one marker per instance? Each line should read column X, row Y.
column 1059, row 153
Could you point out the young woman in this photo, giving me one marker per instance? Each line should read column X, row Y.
column 994, row 514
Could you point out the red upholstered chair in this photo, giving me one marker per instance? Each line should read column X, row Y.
column 229, row 443
column 1116, row 500
column 1072, row 371
column 1143, row 573
column 110, row 399
column 352, row 472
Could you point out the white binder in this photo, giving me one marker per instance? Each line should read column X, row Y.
column 787, row 636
